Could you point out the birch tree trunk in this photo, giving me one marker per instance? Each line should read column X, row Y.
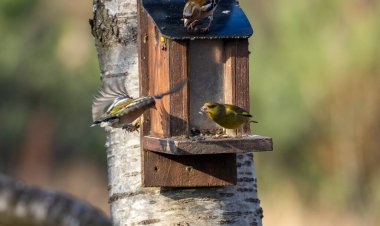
column 114, row 27
column 25, row 205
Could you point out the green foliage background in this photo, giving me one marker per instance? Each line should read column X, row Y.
column 315, row 82
column 36, row 78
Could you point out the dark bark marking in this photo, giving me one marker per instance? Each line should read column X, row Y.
column 132, row 174
column 106, row 27
column 239, row 213
column 246, row 179
column 260, row 212
column 245, row 190
column 253, row 200
column 150, row 221
column 226, row 194
column 226, row 222
column 118, row 196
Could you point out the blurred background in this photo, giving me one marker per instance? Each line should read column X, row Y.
column 315, row 81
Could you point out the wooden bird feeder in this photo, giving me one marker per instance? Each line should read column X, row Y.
column 216, row 65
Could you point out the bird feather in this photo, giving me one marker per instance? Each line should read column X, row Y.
column 107, row 95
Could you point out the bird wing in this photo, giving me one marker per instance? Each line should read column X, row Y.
column 209, row 5
column 108, row 96
column 188, row 10
column 176, row 88
column 237, row 111
column 113, row 101
column 119, row 106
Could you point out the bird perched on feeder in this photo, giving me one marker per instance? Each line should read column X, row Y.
column 114, row 107
column 226, row 115
column 196, row 10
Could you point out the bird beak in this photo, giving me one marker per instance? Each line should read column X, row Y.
column 204, row 110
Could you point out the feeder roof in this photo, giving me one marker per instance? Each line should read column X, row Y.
column 229, row 20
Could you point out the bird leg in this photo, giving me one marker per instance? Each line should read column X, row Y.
column 205, row 29
column 192, row 25
column 133, row 126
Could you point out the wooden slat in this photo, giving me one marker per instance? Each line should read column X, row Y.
column 190, row 171
column 242, row 79
column 158, row 82
column 230, row 76
column 143, row 52
column 142, row 41
column 229, row 71
column 252, row 143
column 179, row 102
column 236, row 78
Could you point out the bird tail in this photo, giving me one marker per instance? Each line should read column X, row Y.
column 175, row 89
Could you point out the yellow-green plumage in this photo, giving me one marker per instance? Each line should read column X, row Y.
column 226, row 115
column 113, row 107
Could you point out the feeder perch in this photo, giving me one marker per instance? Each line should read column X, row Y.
column 216, row 66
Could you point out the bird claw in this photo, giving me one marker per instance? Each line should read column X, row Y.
column 133, row 126
column 130, row 128
column 192, row 25
column 205, row 29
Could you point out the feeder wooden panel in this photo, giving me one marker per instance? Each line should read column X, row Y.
column 217, row 70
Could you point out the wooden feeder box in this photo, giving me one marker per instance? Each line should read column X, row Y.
column 216, row 65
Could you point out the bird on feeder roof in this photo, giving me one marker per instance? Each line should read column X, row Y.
column 196, row 10
column 114, row 107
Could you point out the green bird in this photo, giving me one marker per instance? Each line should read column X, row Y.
column 226, row 115
column 114, row 107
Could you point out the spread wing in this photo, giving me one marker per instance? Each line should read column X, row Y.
column 107, row 96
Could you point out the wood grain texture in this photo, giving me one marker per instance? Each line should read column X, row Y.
column 190, row 171
column 253, row 143
column 143, row 47
column 179, row 102
column 229, row 71
column 230, row 76
column 242, row 79
column 159, row 81
column 236, row 78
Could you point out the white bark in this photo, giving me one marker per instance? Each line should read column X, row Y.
column 114, row 27
column 25, row 205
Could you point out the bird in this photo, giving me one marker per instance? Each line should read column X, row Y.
column 196, row 10
column 226, row 115
column 114, row 107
